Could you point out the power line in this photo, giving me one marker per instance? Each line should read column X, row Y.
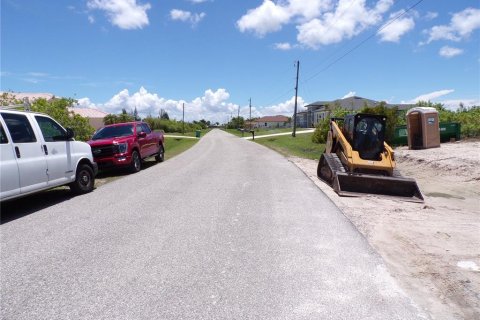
column 341, row 46
column 365, row 40
column 398, row 16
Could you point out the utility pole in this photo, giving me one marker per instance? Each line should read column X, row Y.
column 250, row 119
column 183, row 118
column 238, row 118
column 296, row 95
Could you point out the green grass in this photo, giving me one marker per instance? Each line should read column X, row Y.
column 260, row 131
column 175, row 146
column 238, row 133
column 300, row 146
column 188, row 134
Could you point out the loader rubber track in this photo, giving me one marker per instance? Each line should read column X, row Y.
column 328, row 167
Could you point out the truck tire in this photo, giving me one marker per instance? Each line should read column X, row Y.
column 161, row 154
column 84, row 180
column 136, row 164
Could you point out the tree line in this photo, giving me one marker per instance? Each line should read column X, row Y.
column 469, row 119
column 57, row 108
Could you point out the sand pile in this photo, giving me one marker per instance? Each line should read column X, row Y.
column 432, row 248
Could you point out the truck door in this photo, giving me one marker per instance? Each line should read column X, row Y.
column 152, row 144
column 9, row 179
column 32, row 165
column 142, row 141
column 57, row 151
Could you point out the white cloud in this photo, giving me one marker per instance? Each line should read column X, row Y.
column 213, row 105
column 270, row 16
column 431, row 96
column 320, row 22
column 461, row 26
column 198, row 1
column 38, row 74
column 449, row 52
column 125, row 14
column 455, row 104
column 283, row 46
column 264, row 19
column 285, row 108
column 394, row 29
column 431, row 15
column 348, row 20
column 86, row 103
column 349, row 95
column 187, row 16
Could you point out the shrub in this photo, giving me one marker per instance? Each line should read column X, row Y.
column 57, row 109
column 323, row 126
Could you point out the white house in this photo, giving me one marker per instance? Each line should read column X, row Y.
column 272, row 122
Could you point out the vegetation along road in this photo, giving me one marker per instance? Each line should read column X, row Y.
column 227, row 230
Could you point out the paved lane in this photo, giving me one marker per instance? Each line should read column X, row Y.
column 226, row 230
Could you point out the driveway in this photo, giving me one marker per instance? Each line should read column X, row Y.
column 227, row 230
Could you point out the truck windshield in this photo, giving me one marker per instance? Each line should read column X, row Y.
column 112, row 132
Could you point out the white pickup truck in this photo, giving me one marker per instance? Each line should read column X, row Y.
column 37, row 153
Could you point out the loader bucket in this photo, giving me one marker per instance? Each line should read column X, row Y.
column 346, row 184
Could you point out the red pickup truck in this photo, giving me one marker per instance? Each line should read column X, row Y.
column 125, row 145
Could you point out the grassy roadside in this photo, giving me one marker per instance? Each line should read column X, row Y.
column 187, row 134
column 259, row 132
column 300, row 146
column 175, row 146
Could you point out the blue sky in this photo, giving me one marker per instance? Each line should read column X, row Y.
column 214, row 55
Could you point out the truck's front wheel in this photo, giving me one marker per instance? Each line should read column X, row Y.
column 161, row 154
column 136, row 162
column 84, row 180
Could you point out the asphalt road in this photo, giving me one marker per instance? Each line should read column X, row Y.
column 226, row 230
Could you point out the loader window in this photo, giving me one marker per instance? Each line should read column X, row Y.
column 369, row 137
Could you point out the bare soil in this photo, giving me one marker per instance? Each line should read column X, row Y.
column 431, row 248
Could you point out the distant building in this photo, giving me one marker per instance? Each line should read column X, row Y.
column 272, row 122
column 302, row 119
column 94, row 116
column 29, row 96
column 320, row 110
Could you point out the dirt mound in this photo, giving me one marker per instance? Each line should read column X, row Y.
column 432, row 248
column 461, row 159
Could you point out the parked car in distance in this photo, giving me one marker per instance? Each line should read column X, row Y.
column 126, row 145
column 37, row 154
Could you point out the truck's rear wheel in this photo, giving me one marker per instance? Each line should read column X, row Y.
column 84, row 180
column 136, row 164
column 161, row 154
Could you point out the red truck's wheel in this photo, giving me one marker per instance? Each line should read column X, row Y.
column 161, row 154
column 136, row 162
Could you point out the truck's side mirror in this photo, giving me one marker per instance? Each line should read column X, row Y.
column 70, row 134
column 142, row 134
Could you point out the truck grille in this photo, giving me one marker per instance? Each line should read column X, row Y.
column 103, row 151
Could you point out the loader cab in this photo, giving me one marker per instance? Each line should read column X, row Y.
column 367, row 134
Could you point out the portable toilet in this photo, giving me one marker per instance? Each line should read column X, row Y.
column 423, row 128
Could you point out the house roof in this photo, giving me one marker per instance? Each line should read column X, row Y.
column 88, row 113
column 31, row 96
column 272, row 119
column 355, row 103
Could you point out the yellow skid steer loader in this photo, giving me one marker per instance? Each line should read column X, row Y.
column 358, row 160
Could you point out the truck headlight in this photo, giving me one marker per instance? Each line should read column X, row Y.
column 122, row 147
